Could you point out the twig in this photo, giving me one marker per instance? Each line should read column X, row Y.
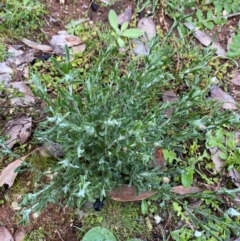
column 59, row 235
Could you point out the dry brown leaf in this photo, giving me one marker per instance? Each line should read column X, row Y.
column 237, row 138
column 218, row 162
column 126, row 194
column 218, row 94
column 25, row 57
column 4, row 69
column 149, row 28
column 206, row 40
column 41, row 47
column 78, row 48
column 18, row 129
column 183, row 190
column 159, row 158
column 169, row 96
column 8, row 175
column 236, row 78
column 58, row 42
column 5, row 235
column 125, row 16
column 235, row 177
column 28, row 97
column 20, row 234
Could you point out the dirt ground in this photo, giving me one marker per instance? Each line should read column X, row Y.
column 58, row 222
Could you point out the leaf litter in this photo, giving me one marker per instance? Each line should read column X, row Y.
column 125, row 192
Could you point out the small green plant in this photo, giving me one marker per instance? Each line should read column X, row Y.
column 21, row 16
column 234, row 47
column 99, row 234
column 225, row 141
column 123, row 31
column 34, row 235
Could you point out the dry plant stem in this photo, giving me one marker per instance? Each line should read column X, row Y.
column 60, row 236
column 162, row 17
column 231, row 15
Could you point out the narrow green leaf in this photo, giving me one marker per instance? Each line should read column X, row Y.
column 132, row 33
column 144, row 207
column 113, row 20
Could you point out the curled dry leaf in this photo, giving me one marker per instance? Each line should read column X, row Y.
column 183, row 190
column 8, row 174
column 218, row 94
column 25, row 57
column 5, row 79
column 4, row 69
column 139, row 48
column 237, row 138
column 34, row 45
column 20, row 234
column 58, row 42
column 235, row 177
column 206, row 40
column 126, row 194
column 78, row 48
column 125, row 16
column 169, row 96
column 18, row 129
column 236, row 78
column 28, row 97
column 5, row 235
column 149, row 28
column 159, row 158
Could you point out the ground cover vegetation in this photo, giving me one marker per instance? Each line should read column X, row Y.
column 105, row 109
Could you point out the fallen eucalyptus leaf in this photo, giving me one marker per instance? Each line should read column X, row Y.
column 139, row 48
column 236, row 78
column 159, row 158
column 79, row 48
column 169, row 96
column 128, row 193
column 28, row 97
column 218, row 162
column 206, row 40
column 8, row 174
column 58, row 42
column 4, row 69
column 235, row 177
column 149, row 28
column 218, row 94
column 41, row 47
column 20, row 234
column 5, row 235
column 18, row 129
column 125, row 16
column 182, row 190
column 5, row 78
column 25, row 57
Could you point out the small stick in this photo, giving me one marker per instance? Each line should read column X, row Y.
column 59, row 235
